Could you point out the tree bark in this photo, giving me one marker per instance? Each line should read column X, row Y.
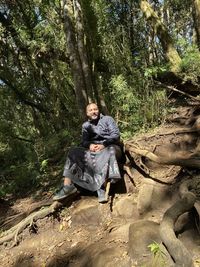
column 81, row 44
column 160, row 29
column 75, row 60
column 196, row 17
column 177, row 250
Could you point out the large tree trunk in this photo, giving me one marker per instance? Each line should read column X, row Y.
column 75, row 60
column 160, row 29
column 81, row 44
column 196, row 16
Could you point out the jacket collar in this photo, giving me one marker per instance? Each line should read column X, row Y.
column 96, row 121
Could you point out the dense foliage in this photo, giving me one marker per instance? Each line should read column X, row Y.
column 48, row 55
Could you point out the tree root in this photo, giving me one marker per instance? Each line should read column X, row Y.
column 197, row 207
column 177, row 159
column 177, row 250
column 147, row 172
column 127, row 169
column 177, row 131
column 16, row 218
column 12, row 234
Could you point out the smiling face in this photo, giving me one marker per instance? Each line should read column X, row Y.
column 92, row 111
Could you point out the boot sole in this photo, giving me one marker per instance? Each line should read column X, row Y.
column 105, row 200
column 63, row 197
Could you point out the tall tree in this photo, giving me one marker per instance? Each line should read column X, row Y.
column 74, row 56
column 82, row 49
column 163, row 35
column 196, row 16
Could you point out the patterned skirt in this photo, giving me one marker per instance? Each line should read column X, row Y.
column 90, row 169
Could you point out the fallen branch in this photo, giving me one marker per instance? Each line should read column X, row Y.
column 176, row 90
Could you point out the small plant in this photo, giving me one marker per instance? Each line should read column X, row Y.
column 158, row 258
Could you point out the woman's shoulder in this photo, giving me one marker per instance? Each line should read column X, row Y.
column 107, row 118
column 85, row 124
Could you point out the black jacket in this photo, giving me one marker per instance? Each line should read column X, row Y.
column 103, row 131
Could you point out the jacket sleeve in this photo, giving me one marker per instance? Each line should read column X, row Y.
column 113, row 135
column 85, row 136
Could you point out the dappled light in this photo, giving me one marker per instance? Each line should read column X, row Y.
column 138, row 63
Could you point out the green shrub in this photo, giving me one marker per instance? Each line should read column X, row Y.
column 190, row 65
column 136, row 111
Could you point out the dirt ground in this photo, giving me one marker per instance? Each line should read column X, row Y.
column 117, row 233
column 92, row 234
column 60, row 241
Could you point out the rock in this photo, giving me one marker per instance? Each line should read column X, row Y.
column 126, row 207
column 191, row 240
column 153, row 195
column 141, row 234
column 106, row 255
column 87, row 213
column 121, row 232
column 144, row 197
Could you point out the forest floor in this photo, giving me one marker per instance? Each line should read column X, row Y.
column 86, row 233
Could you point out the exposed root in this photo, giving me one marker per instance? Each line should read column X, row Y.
column 177, row 159
column 176, row 131
column 127, row 169
column 16, row 218
column 147, row 172
column 177, row 250
column 13, row 233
